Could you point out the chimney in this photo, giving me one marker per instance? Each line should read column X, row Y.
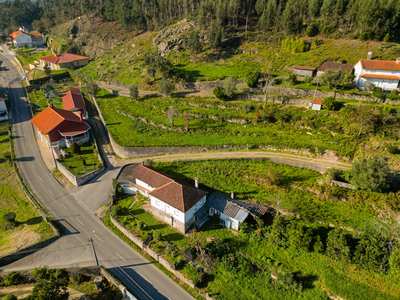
column 398, row 60
column 232, row 195
column 196, row 182
column 142, row 163
column 369, row 55
column 51, row 105
column 80, row 117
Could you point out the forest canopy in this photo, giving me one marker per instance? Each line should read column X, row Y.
column 364, row 19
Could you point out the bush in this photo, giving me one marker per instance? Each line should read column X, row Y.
column 392, row 149
column 230, row 87
column 308, row 80
column 140, row 225
column 219, row 93
column 292, row 79
column 338, row 246
column 9, row 217
column 116, row 210
column 134, row 92
column 10, row 297
column 157, row 236
column 75, row 148
column 252, row 78
column 394, row 262
column 92, row 88
column 166, row 87
column 12, row 278
column 312, row 29
column 331, row 104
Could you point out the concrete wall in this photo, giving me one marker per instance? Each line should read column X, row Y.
column 80, row 180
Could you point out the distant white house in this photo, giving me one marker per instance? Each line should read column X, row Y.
column 382, row 73
column 316, row 104
column 172, row 201
column 21, row 38
column 3, row 108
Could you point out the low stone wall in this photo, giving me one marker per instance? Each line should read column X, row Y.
column 9, row 258
column 80, row 180
column 299, row 164
column 16, row 59
column 127, row 295
column 125, row 231
column 343, row 184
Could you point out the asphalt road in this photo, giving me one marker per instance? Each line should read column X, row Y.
column 75, row 212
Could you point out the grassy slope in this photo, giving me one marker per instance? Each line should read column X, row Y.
column 29, row 58
column 123, row 63
column 13, row 199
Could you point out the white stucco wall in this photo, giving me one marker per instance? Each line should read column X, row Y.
column 173, row 212
column 385, row 84
column 234, row 224
column 190, row 213
column 144, row 185
column 23, row 39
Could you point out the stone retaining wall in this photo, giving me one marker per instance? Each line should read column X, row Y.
column 299, row 164
column 343, row 184
column 80, row 180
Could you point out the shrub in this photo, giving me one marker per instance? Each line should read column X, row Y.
column 394, row 262
column 318, row 245
column 10, row 297
column 219, row 93
column 230, row 87
column 92, row 88
column 312, row 29
column 252, row 78
column 292, row 79
column 9, row 217
column 331, row 104
column 171, row 250
column 308, row 80
column 392, row 149
column 134, row 92
column 157, row 236
column 140, row 225
column 166, row 87
column 12, row 278
column 75, row 148
column 337, row 245
column 116, row 210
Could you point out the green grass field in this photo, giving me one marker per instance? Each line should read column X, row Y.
column 29, row 58
column 31, row 228
column 243, row 261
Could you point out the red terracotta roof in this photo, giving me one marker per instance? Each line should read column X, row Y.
column 62, row 58
column 73, row 129
column 380, row 76
column 175, row 193
column 17, row 33
column 332, row 65
column 304, row 68
column 51, row 120
column 2, row 97
column 371, row 64
column 73, row 99
column 317, row 101
column 36, row 35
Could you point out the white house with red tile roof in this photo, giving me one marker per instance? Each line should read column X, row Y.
column 59, row 127
column 64, row 61
column 382, row 73
column 21, row 38
column 316, row 104
column 73, row 101
column 172, row 201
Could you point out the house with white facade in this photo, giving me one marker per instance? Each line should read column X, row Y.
column 21, row 38
column 172, row 201
column 382, row 73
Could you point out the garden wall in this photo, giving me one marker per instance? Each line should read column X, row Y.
column 80, row 180
column 156, row 256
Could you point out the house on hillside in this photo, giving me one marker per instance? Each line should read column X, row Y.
column 382, row 73
column 20, row 39
column 37, row 39
column 173, row 201
column 73, row 101
column 316, row 104
column 3, row 108
column 304, row 71
column 63, row 61
column 332, row 65
column 59, row 127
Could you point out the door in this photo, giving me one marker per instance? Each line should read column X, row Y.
column 227, row 224
column 172, row 221
column 211, row 211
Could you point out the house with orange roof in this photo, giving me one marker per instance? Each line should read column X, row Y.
column 381, row 73
column 21, row 38
column 64, row 61
column 59, row 127
column 3, row 108
column 73, row 101
column 172, row 201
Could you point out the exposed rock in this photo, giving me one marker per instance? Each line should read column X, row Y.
column 170, row 38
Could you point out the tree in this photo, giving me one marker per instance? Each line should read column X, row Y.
column 187, row 117
column 171, row 113
column 378, row 94
column 219, row 93
column 230, row 87
column 292, row 79
column 193, row 44
column 278, row 233
column 347, row 78
column 133, row 92
column 47, row 70
column 215, row 35
column 332, row 78
column 267, row 83
column 371, row 174
column 299, row 237
column 372, row 252
column 10, row 297
column 92, row 88
column 9, row 217
column 252, row 78
column 331, row 104
column 75, row 148
column 166, row 87
column 337, row 245
column 50, row 285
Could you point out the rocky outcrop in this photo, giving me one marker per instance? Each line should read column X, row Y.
column 170, row 38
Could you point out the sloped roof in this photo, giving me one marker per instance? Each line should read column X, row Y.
column 17, row 33
column 371, row 64
column 73, row 99
column 304, row 68
column 174, row 192
column 222, row 203
column 36, row 34
column 332, row 65
column 380, row 76
column 62, row 58
column 51, row 117
column 255, row 209
column 317, row 101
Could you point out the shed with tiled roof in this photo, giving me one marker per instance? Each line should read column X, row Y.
column 333, row 65
column 304, row 71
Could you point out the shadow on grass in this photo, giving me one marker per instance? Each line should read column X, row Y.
column 107, row 96
column 34, row 221
column 306, row 281
column 159, row 226
column 174, row 237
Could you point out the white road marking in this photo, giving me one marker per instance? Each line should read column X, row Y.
column 98, row 238
column 64, row 206
column 50, row 192
column 144, row 278
column 79, row 221
column 32, row 166
column 120, row 256
column 40, row 178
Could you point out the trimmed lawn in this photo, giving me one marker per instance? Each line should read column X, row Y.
column 28, row 58
column 75, row 162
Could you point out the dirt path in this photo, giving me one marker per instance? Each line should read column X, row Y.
column 24, row 291
column 240, row 154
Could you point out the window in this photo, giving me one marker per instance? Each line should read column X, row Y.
column 158, row 202
column 217, row 213
column 373, row 71
column 176, row 212
column 195, row 207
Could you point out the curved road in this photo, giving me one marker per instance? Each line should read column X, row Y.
column 76, row 215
